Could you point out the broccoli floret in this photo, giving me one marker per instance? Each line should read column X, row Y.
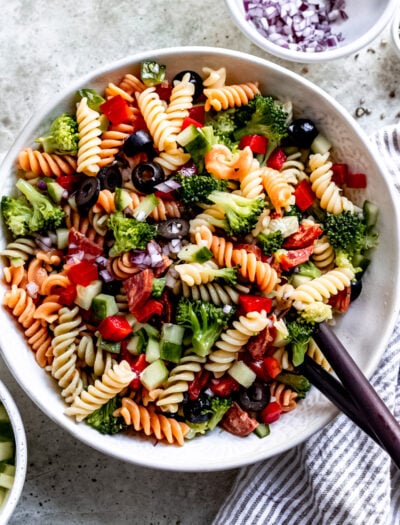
column 268, row 118
column 17, row 215
column 103, row 420
column 316, row 312
column 308, row 269
column 157, row 286
column 62, row 137
column 241, row 213
column 204, row 320
column 297, row 382
column 129, row 234
column 349, row 234
column 223, row 124
column 300, row 332
column 270, row 242
column 45, row 215
column 196, row 188
column 218, row 408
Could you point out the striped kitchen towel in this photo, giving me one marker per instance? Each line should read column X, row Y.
column 327, row 480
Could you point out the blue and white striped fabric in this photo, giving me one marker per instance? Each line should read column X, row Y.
column 339, row 476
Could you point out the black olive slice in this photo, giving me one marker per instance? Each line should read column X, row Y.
column 87, row 193
column 139, row 141
column 256, row 397
column 197, row 410
column 110, row 177
column 194, row 79
column 146, row 175
column 302, row 132
column 355, row 289
column 173, row 228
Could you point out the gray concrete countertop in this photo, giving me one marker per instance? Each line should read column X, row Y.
column 44, row 46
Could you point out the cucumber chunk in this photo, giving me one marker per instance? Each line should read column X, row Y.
column 242, row 374
column 154, row 375
column 195, row 253
column 86, row 294
column 55, row 191
column 104, row 305
column 152, row 350
column 171, row 342
column 262, row 430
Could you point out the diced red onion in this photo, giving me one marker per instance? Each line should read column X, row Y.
column 167, row 186
column 41, row 185
column 106, row 276
column 227, row 309
column 301, row 25
column 32, row 289
column 102, row 261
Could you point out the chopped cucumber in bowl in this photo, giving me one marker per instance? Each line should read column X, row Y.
column 13, row 455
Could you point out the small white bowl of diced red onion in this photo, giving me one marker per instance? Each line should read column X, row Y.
column 13, row 455
column 311, row 31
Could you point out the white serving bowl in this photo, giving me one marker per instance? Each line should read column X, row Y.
column 395, row 32
column 365, row 329
column 21, row 455
column 366, row 21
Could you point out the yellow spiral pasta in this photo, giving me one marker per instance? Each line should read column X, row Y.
column 48, row 164
column 278, row 190
column 283, row 395
column 150, row 423
column 180, row 101
column 325, row 189
column 230, row 96
column 226, row 349
column 215, row 77
column 19, row 250
column 209, row 218
column 315, row 353
column 172, row 159
column 293, row 169
column 218, row 294
column 251, row 184
column 323, row 254
column 196, row 273
column 112, row 382
column 281, row 295
column 323, row 287
column 155, row 116
column 93, row 356
column 170, row 395
column 89, row 139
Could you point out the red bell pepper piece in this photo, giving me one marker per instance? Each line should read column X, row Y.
column 340, row 172
column 340, row 302
column 272, row 366
column 83, row 273
column 138, row 364
column 356, row 180
column 254, row 303
column 292, row 258
column 67, row 295
column 257, row 143
column 116, row 109
column 304, row 195
column 198, row 384
column 198, row 113
column 148, row 309
column 188, row 121
column 114, row 328
column 304, row 236
column 69, row 182
column 224, row 386
column 277, row 159
column 258, row 368
column 272, row 412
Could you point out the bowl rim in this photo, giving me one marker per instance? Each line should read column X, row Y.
column 299, row 56
column 395, row 30
column 134, row 59
column 21, row 454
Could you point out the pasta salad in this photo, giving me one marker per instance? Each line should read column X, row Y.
column 174, row 242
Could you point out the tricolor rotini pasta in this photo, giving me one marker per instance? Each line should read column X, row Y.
column 196, row 237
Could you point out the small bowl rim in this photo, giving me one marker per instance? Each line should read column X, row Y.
column 300, row 56
column 395, row 31
column 21, row 455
